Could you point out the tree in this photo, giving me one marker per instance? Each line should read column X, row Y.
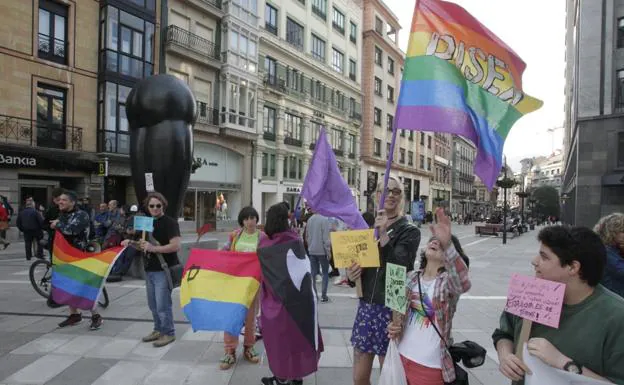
column 547, row 201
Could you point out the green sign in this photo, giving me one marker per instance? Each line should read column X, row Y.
column 396, row 295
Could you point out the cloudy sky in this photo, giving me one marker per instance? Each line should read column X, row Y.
column 535, row 29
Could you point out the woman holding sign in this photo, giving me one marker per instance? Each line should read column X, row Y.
column 398, row 244
column 434, row 291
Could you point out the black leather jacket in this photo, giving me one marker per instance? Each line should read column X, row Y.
column 400, row 250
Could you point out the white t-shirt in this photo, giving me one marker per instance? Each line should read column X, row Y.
column 420, row 342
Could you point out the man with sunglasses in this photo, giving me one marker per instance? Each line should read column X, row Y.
column 590, row 338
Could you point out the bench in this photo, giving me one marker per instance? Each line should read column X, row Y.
column 488, row 230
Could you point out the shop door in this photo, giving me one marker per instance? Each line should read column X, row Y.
column 39, row 194
column 207, row 202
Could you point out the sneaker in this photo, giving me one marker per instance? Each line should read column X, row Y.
column 324, row 299
column 228, row 360
column 251, row 355
column 163, row 340
column 319, row 278
column 153, row 336
column 96, row 322
column 73, row 319
column 6, row 245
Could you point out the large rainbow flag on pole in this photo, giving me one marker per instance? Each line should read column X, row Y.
column 78, row 276
column 462, row 79
column 218, row 288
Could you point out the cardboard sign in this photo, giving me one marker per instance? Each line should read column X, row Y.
column 396, row 296
column 355, row 246
column 535, row 299
column 142, row 223
column 149, row 182
column 542, row 373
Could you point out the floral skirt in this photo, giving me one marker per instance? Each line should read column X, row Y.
column 370, row 329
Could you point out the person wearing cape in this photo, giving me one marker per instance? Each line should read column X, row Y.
column 288, row 303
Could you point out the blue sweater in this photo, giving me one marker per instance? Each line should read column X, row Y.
column 613, row 278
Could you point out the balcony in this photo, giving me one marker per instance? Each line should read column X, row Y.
column 207, row 115
column 192, row 46
column 269, row 136
column 338, row 152
column 52, row 49
column 292, row 141
column 355, row 115
column 319, row 12
column 275, row 83
column 352, row 155
column 313, row 145
column 113, row 142
column 26, row 132
column 338, row 28
column 271, row 28
column 215, row 7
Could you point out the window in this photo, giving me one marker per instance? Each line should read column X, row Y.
column 401, row 155
column 351, row 176
column 113, row 125
column 377, row 117
column 338, row 21
column 294, row 33
column 353, row 32
column 377, row 147
column 422, row 162
column 389, row 122
column 52, row 36
column 319, row 8
column 620, row 151
column 269, row 122
column 377, row 86
column 428, row 164
column 335, row 139
column 51, row 119
column 268, row 165
column 390, row 65
column 379, row 26
column 411, row 135
column 620, row 90
column 391, row 94
column 620, row 33
column 422, row 138
column 318, row 48
column 410, row 158
column 351, row 145
column 293, row 168
column 129, row 48
column 293, row 126
column 270, row 19
column 270, row 66
column 388, row 147
column 352, row 69
column 315, row 128
column 337, row 61
column 429, row 142
column 378, row 54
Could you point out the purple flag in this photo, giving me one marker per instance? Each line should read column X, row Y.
column 326, row 191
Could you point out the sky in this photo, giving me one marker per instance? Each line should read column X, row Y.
column 535, row 30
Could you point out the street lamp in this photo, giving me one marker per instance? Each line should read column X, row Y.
column 505, row 183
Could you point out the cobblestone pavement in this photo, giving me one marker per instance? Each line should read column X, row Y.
column 34, row 351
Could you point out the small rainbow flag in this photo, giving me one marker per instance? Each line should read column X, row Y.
column 462, row 79
column 218, row 287
column 78, row 276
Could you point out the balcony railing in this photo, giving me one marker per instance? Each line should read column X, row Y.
column 271, row 28
column 338, row 152
column 352, row 77
column 292, row 141
column 207, row 115
column 319, row 12
column 114, row 142
column 355, row 115
column 52, row 49
column 313, row 145
column 340, row 29
column 214, row 3
column 272, row 81
column 183, row 38
column 41, row 134
column 352, row 155
column 269, row 136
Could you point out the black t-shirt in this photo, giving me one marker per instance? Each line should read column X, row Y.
column 165, row 229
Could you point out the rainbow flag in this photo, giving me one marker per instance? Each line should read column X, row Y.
column 78, row 276
column 218, row 287
column 462, row 79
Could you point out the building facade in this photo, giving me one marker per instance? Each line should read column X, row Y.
column 593, row 176
column 382, row 69
column 544, row 171
column 309, row 67
column 441, row 180
column 463, row 177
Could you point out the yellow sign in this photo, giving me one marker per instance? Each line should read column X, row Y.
column 355, row 246
column 102, row 169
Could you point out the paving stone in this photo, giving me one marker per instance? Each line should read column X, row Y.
column 82, row 372
column 210, row 373
column 116, row 348
column 42, row 370
column 13, row 323
column 186, row 351
column 80, row 345
column 147, row 351
column 126, row 373
column 13, row 340
column 44, row 344
column 165, row 373
column 12, row 363
column 335, row 357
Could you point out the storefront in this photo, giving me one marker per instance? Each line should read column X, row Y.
column 291, row 194
column 214, row 195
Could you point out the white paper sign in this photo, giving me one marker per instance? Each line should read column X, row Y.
column 545, row 374
column 149, row 182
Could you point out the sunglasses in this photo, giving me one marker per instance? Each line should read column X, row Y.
column 395, row 192
column 156, row 206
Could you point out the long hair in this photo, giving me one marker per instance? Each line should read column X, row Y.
column 608, row 227
column 277, row 219
column 458, row 247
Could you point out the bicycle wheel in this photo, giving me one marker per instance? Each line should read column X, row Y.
column 103, row 300
column 40, row 274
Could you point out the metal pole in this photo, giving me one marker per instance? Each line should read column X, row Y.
column 453, row 154
column 505, row 207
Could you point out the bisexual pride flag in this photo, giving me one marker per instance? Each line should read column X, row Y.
column 460, row 78
column 218, row 288
column 78, row 276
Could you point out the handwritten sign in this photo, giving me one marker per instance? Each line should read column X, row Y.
column 355, row 246
column 396, row 296
column 142, row 223
column 535, row 299
column 149, row 182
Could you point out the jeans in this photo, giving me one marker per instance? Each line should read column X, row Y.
column 159, row 301
column 323, row 262
column 32, row 238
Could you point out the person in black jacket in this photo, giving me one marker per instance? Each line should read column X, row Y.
column 30, row 222
column 52, row 214
column 398, row 244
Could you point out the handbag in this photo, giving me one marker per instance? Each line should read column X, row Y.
column 461, row 376
column 173, row 273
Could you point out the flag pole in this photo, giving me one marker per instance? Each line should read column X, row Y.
column 388, row 166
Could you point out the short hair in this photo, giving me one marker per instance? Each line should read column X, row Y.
column 57, row 192
column 155, row 195
column 608, row 227
column 246, row 213
column 577, row 244
column 71, row 195
column 277, row 219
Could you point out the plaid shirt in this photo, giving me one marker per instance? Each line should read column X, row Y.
column 449, row 285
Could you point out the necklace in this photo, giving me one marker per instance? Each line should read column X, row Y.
column 394, row 217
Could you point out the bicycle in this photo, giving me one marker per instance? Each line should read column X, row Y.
column 43, row 285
